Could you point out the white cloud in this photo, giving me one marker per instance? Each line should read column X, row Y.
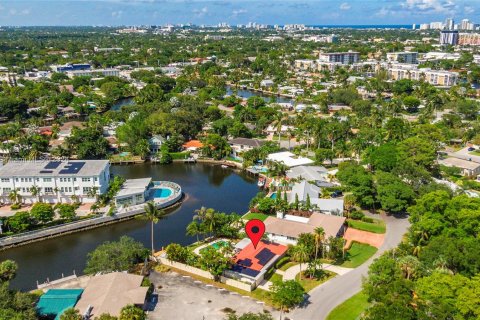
column 430, row 6
column 383, row 12
column 236, row 13
column 468, row 10
column 345, row 6
column 200, row 12
column 117, row 14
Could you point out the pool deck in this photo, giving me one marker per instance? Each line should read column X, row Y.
column 198, row 249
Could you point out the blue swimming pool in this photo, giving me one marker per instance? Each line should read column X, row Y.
column 273, row 195
column 161, row 193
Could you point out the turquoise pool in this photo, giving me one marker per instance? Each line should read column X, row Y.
column 161, row 193
column 273, row 195
column 217, row 245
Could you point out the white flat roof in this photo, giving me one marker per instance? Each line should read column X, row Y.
column 289, row 159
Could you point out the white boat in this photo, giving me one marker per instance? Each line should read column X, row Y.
column 261, row 183
column 224, row 166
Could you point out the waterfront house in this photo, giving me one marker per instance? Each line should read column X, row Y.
column 286, row 228
column 156, row 143
column 316, row 174
column 192, row 145
column 133, row 191
column 240, row 145
column 56, row 181
column 289, row 159
column 109, row 293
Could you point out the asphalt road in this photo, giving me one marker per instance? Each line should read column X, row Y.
column 327, row 296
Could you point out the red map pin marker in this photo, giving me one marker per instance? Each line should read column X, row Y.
column 255, row 229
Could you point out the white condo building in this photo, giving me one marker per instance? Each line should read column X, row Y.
column 57, row 181
column 342, row 57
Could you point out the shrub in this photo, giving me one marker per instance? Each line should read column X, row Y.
column 367, row 219
column 357, row 215
column 42, row 212
column 15, row 206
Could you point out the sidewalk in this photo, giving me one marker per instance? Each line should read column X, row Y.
column 292, row 272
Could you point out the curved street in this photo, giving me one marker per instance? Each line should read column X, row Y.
column 327, row 296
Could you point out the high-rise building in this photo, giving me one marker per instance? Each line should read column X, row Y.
column 403, row 57
column 467, row 25
column 449, row 24
column 436, row 25
column 424, row 26
column 342, row 57
column 448, row 37
column 470, row 39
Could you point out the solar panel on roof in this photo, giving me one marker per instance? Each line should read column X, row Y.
column 53, row 165
column 72, row 168
column 264, row 256
column 46, row 171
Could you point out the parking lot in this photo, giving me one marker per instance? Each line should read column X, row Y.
column 182, row 297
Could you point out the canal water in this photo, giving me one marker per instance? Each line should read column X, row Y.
column 122, row 102
column 245, row 93
column 203, row 185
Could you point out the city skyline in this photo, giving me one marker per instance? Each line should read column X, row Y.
column 158, row 12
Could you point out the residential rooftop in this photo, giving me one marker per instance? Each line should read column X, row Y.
column 49, row 168
column 331, row 225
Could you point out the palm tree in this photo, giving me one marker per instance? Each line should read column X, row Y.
column 153, row 215
column 193, row 229
column 319, row 235
column 35, row 191
column 278, row 120
column 15, row 196
column 349, row 203
column 300, row 254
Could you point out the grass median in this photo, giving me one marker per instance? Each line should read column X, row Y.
column 350, row 309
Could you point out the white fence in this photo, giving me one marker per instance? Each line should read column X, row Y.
column 205, row 274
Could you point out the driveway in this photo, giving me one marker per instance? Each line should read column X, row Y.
column 327, row 296
column 373, row 239
column 182, row 297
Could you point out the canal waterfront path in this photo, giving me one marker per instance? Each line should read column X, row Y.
column 328, row 295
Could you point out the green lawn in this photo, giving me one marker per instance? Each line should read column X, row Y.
column 358, row 254
column 309, row 284
column 378, row 226
column 252, row 215
column 350, row 309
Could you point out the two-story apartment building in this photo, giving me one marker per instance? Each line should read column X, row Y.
column 55, row 181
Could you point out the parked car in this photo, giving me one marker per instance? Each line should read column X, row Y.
column 336, row 194
column 471, row 149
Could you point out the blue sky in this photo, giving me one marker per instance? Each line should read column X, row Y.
column 157, row 12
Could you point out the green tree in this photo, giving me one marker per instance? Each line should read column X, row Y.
column 105, row 316
column 215, row 261
column 132, row 312
column 8, row 270
column 66, row 211
column 287, row 294
column 71, row 314
column 42, row 212
column 216, row 146
column 301, row 254
column 250, row 316
column 153, row 215
column 394, row 194
column 115, row 256
column 19, row 222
